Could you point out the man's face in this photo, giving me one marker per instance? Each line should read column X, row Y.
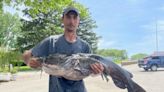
column 71, row 21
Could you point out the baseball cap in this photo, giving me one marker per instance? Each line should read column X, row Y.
column 70, row 9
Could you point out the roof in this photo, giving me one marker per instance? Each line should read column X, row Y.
column 158, row 53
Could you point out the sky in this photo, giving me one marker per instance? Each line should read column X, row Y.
column 126, row 24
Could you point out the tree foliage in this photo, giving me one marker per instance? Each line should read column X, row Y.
column 45, row 20
column 114, row 53
column 9, row 30
column 138, row 56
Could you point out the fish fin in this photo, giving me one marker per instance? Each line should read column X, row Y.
column 106, row 77
column 119, row 83
column 102, row 76
column 41, row 73
column 128, row 73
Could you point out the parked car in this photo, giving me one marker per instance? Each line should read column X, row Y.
column 151, row 62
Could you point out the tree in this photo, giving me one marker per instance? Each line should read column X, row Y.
column 85, row 31
column 114, row 53
column 9, row 30
column 46, row 20
column 138, row 56
column 9, row 57
column 3, row 3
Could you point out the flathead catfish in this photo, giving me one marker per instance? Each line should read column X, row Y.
column 77, row 67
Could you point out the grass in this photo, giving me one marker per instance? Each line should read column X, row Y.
column 24, row 68
column 117, row 61
column 18, row 68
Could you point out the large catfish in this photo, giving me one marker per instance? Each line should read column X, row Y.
column 77, row 67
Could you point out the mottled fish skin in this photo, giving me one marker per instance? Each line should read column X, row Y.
column 77, row 67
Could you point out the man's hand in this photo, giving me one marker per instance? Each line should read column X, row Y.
column 97, row 68
column 34, row 63
column 26, row 56
column 29, row 60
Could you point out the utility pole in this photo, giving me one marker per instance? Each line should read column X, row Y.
column 156, row 28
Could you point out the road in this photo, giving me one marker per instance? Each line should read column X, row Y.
column 31, row 82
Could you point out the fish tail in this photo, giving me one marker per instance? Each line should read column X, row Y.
column 135, row 88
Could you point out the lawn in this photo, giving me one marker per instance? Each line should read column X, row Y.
column 23, row 68
column 18, row 68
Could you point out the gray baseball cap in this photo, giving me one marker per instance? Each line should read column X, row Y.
column 71, row 9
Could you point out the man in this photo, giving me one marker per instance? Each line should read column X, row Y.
column 69, row 43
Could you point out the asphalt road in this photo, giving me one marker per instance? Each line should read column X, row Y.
column 31, row 82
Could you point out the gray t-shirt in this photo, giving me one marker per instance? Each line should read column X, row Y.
column 52, row 45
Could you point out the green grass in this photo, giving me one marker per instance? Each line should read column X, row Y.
column 20, row 68
column 24, row 68
column 117, row 61
column 4, row 70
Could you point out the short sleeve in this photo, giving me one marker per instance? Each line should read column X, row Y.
column 41, row 49
column 88, row 48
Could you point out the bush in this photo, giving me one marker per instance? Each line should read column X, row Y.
column 13, row 71
column 17, row 63
column 24, row 68
column 9, row 57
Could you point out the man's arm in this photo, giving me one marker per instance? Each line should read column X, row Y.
column 29, row 60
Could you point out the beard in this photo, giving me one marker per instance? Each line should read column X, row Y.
column 71, row 28
column 70, row 31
